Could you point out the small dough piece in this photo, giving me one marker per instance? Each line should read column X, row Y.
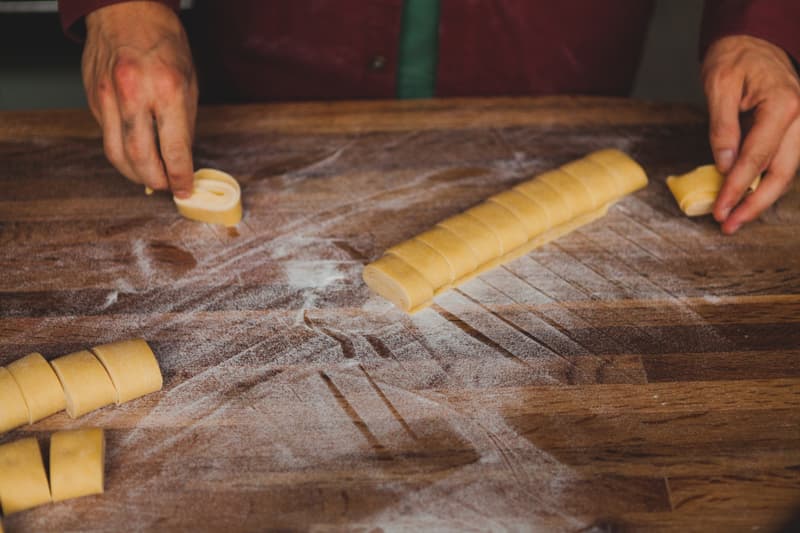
column 630, row 176
column 600, row 182
column 77, row 461
column 39, row 385
column 398, row 282
column 87, row 385
column 481, row 240
column 557, row 207
column 508, row 228
column 534, row 217
column 428, row 262
column 457, row 252
column 573, row 190
column 696, row 191
column 23, row 483
column 13, row 409
column 216, row 199
column 132, row 367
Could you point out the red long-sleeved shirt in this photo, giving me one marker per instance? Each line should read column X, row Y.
column 257, row 50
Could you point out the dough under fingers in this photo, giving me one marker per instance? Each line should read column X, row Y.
column 87, row 385
column 23, row 482
column 696, row 191
column 13, row 410
column 216, row 199
column 132, row 367
column 529, row 215
column 77, row 461
column 40, row 386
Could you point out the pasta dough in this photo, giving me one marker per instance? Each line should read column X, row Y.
column 696, row 191
column 39, row 386
column 86, row 383
column 23, row 483
column 216, row 199
column 506, row 226
column 132, row 367
column 76, row 463
column 13, row 410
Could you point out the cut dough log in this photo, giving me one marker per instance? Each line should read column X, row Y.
column 529, row 215
column 77, row 461
column 132, row 367
column 696, row 191
column 87, row 385
column 216, row 199
column 23, row 483
column 39, row 385
column 13, row 410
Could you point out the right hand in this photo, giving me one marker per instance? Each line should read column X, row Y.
column 139, row 78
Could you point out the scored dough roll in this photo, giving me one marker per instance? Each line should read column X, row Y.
column 23, row 482
column 520, row 219
column 696, row 191
column 87, row 385
column 132, row 367
column 13, row 410
column 77, row 461
column 39, row 385
column 216, row 199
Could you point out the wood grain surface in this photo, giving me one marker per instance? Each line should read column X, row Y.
column 639, row 374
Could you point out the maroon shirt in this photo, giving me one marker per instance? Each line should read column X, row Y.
column 257, row 50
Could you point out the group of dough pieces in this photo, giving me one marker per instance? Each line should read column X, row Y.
column 32, row 389
column 216, row 199
column 504, row 227
column 77, row 461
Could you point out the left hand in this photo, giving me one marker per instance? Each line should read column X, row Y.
column 742, row 73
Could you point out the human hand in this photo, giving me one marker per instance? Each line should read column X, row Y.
column 740, row 74
column 142, row 89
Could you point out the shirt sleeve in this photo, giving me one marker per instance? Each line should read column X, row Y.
column 73, row 13
column 772, row 20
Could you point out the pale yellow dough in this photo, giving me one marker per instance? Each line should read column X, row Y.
column 23, row 482
column 87, row 385
column 132, row 366
column 216, row 199
column 77, row 461
column 39, row 385
column 696, row 191
column 13, row 410
column 506, row 226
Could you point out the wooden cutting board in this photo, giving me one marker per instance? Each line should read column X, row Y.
column 641, row 372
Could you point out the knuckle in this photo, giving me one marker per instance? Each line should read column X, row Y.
column 126, row 74
column 170, row 82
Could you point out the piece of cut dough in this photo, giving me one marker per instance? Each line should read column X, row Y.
column 23, row 482
column 216, row 199
column 696, row 191
column 77, row 461
column 87, row 385
column 430, row 263
column 13, row 409
column 530, row 215
column 39, row 385
column 132, row 367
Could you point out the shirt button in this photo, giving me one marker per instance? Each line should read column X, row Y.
column 377, row 63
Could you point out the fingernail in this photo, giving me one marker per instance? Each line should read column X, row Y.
column 733, row 229
column 725, row 160
column 724, row 212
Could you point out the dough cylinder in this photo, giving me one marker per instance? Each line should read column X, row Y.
column 77, row 460
column 87, row 385
column 13, row 410
column 39, row 385
column 132, row 367
column 23, row 482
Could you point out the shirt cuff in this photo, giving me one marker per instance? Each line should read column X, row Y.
column 73, row 13
column 771, row 20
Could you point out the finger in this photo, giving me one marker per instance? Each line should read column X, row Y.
column 724, row 95
column 175, row 139
column 777, row 181
column 108, row 116
column 141, row 151
column 757, row 152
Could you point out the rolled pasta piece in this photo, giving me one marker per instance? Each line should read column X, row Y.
column 77, row 461
column 13, row 410
column 216, row 199
column 23, row 482
column 506, row 226
column 87, row 385
column 132, row 367
column 39, row 385
column 696, row 191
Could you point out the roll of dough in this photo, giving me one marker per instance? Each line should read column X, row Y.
column 216, row 199
column 77, row 461
column 23, row 482
column 527, row 216
column 132, row 367
column 13, row 410
column 39, row 385
column 696, row 191
column 87, row 385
